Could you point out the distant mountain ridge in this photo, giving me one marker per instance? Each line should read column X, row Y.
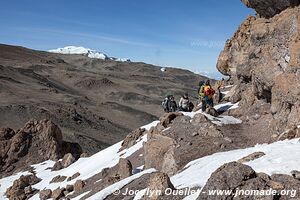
column 88, row 52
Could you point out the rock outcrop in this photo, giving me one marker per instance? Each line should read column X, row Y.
column 263, row 59
column 269, row 8
column 36, row 142
column 131, row 138
column 237, row 178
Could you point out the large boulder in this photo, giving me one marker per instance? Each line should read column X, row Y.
column 125, row 168
column 36, row 142
column 233, row 177
column 262, row 58
column 159, row 153
column 269, row 8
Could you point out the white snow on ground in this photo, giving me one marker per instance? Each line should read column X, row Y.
column 281, row 157
column 192, row 196
column 85, row 51
column 222, row 119
column 87, row 167
column 225, row 92
column 226, row 106
column 228, row 86
column 80, row 196
column 117, row 186
column 149, row 126
column 140, row 194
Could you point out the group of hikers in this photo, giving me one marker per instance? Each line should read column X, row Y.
column 206, row 95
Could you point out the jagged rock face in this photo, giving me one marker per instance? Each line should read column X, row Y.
column 263, row 59
column 37, row 141
column 269, row 8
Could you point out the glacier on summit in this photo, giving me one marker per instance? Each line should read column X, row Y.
column 87, row 52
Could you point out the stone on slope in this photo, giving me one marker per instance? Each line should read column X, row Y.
column 132, row 137
column 167, row 118
column 159, row 183
column 21, row 188
column 45, row 194
column 251, row 157
column 159, row 153
column 125, row 168
column 232, row 176
column 66, row 161
column 79, row 184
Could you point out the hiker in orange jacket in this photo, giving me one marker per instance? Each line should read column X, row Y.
column 207, row 93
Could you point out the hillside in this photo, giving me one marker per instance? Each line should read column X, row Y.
column 247, row 147
column 95, row 102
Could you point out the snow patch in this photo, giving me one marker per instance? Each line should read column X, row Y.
column 149, row 126
column 222, row 119
column 81, row 195
column 140, row 194
column 226, row 106
column 87, row 52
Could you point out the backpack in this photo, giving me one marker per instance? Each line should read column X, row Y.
column 201, row 83
column 165, row 103
column 208, row 91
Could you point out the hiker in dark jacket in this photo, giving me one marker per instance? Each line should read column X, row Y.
column 169, row 104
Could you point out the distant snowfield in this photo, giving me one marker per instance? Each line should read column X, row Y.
column 281, row 157
column 88, row 52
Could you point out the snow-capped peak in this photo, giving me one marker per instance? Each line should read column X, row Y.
column 87, row 52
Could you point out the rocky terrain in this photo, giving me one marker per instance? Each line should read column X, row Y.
column 252, row 144
column 262, row 59
column 95, row 102
column 36, row 142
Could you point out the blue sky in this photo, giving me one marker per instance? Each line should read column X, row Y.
column 188, row 34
